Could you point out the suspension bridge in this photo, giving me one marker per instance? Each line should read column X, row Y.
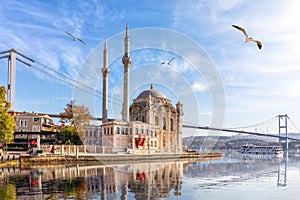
column 44, row 71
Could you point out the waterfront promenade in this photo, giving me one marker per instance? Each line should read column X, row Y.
column 81, row 154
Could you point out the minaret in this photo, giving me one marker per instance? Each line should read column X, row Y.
column 105, row 72
column 126, row 62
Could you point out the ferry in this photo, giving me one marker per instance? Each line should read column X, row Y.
column 261, row 150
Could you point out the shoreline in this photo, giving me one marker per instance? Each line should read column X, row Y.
column 28, row 161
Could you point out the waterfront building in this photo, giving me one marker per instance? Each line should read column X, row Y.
column 150, row 124
column 33, row 122
column 93, row 135
column 33, row 126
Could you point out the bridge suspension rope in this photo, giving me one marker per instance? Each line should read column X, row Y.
column 62, row 77
column 296, row 130
column 263, row 123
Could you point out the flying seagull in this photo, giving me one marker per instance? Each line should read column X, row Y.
column 248, row 39
column 168, row 62
column 75, row 38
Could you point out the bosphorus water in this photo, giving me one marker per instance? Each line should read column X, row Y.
column 233, row 177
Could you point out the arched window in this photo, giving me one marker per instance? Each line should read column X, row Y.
column 118, row 130
column 156, row 121
column 164, row 124
column 171, row 124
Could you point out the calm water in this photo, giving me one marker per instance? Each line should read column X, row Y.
column 233, row 177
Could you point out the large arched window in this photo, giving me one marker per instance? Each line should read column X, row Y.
column 164, row 124
column 171, row 124
column 156, row 121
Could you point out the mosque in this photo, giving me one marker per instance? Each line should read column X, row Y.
column 150, row 124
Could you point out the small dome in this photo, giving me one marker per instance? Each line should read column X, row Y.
column 152, row 92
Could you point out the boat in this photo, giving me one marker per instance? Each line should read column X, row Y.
column 261, row 150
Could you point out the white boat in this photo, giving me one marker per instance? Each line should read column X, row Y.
column 261, row 150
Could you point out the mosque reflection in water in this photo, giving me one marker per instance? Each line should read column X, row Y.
column 142, row 181
column 137, row 181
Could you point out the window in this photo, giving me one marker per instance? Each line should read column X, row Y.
column 118, row 130
column 164, row 124
column 156, row 121
column 136, row 130
column 122, row 129
column 171, row 124
column 111, row 130
column 126, row 131
column 130, row 131
column 23, row 123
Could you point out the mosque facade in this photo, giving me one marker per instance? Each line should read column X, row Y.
column 150, row 124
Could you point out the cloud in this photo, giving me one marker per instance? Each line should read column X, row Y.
column 199, row 87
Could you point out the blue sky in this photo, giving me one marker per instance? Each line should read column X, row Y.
column 258, row 84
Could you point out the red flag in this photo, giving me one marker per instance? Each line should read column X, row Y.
column 141, row 140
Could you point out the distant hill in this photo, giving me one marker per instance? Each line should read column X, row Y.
column 233, row 142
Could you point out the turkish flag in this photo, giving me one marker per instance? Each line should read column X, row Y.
column 141, row 139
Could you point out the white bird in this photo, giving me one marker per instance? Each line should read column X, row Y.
column 248, row 39
column 75, row 38
column 168, row 62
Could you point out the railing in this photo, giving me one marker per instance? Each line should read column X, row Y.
column 74, row 149
column 8, row 157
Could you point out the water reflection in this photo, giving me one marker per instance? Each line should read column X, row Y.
column 136, row 181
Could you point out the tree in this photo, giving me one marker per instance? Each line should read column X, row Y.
column 69, row 135
column 77, row 116
column 7, row 121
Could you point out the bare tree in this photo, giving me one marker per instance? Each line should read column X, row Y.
column 77, row 116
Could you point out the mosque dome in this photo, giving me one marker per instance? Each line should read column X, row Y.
column 152, row 92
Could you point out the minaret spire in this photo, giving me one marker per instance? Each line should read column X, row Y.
column 126, row 60
column 105, row 73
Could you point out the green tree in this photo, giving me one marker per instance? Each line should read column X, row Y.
column 7, row 121
column 69, row 135
column 8, row 192
column 77, row 116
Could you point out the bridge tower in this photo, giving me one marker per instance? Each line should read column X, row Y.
column 11, row 79
column 282, row 119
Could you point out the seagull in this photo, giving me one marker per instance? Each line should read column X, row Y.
column 75, row 38
column 248, row 39
column 168, row 62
